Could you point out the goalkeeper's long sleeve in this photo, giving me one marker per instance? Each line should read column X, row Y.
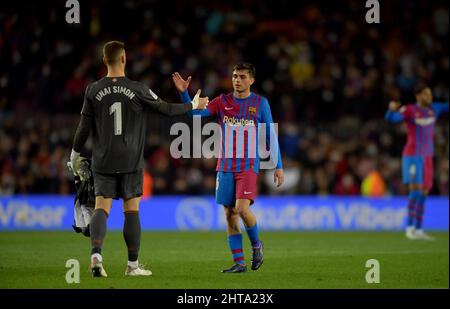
column 170, row 109
column 150, row 99
column 82, row 133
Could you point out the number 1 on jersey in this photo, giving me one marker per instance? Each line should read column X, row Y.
column 116, row 109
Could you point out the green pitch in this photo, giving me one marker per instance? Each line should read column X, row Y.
column 194, row 259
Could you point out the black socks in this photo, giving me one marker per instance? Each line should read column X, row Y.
column 98, row 230
column 132, row 234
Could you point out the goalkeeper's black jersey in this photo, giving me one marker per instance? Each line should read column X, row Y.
column 117, row 107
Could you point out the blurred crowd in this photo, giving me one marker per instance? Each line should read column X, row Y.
column 328, row 76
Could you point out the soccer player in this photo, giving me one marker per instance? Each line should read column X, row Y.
column 115, row 110
column 417, row 158
column 237, row 174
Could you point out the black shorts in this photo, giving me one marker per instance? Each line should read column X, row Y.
column 120, row 185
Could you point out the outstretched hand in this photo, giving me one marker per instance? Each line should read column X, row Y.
column 181, row 84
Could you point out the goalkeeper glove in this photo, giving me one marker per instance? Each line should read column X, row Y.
column 80, row 166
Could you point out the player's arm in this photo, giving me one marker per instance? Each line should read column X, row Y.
column 182, row 87
column 172, row 109
column 81, row 135
column 266, row 117
column 440, row 108
column 393, row 114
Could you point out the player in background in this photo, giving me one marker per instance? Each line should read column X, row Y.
column 417, row 157
column 114, row 109
column 236, row 182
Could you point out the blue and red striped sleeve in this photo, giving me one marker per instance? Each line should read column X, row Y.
column 266, row 117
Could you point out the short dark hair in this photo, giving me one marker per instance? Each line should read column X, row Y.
column 112, row 51
column 420, row 87
column 246, row 66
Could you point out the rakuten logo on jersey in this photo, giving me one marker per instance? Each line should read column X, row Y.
column 233, row 121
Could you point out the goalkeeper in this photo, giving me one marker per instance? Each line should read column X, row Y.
column 114, row 110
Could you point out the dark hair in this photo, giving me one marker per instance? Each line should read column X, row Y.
column 420, row 87
column 112, row 51
column 246, row 66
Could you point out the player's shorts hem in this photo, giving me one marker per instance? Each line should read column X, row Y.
column 230, row 203
column 106, row 196
column 132, row 196
column 119, row 197
column 252, row 201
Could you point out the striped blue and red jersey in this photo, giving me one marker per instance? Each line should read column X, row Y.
column 420, row 127
column 240, row 121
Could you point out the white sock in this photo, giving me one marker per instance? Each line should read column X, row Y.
column 134, row 264
column 98, row 256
